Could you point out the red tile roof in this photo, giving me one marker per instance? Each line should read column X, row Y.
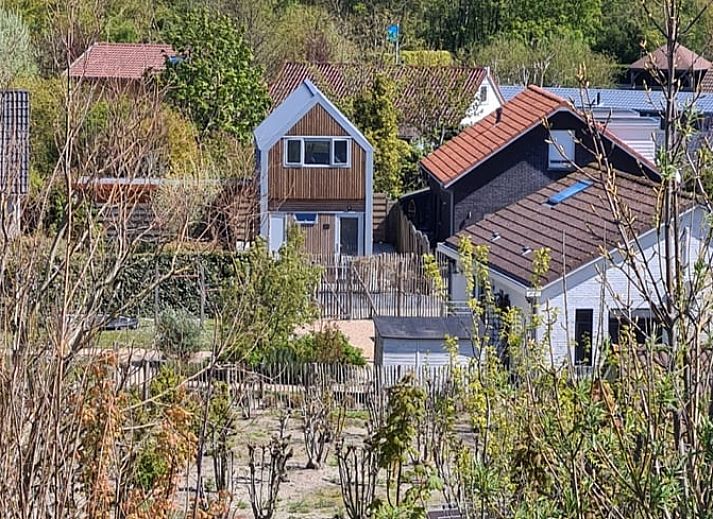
column 478, row 142
column 128, row 61
column 584, row 221
column 684, row 59
column 418, row 87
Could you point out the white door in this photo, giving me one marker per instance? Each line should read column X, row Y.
column 276, row 232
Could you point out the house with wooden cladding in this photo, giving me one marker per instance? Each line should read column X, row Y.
column 315, row 171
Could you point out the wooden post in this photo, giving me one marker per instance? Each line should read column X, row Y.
column 156, row 295
column 201, row 283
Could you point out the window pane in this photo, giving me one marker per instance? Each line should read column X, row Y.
column 583, row 327
column 294, row 152
column 340, row 152
column 317, row 152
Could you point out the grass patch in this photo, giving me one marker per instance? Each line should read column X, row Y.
column 322, row 499
column 143, row 336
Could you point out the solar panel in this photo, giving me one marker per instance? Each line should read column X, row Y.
column 569, row 192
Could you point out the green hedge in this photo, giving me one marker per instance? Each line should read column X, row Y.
column 182, row 289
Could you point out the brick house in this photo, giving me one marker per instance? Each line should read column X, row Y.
column 531, row 142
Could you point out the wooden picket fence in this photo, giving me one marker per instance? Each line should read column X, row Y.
column 284, row 385
column 385, row 284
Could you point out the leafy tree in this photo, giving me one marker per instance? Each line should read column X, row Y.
column 215, row 82
column 16, row 48
column 375, row 115
column 551, row 61
column 328, row 345
column 269, row 297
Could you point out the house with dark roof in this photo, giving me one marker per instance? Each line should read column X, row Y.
column 120, row 62
column 315, row 171
column 587, row 288
column 532, row 141
column 428, row 97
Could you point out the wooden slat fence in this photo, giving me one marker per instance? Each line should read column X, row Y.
column 284, row 385
column 385, row 284
column 407, row 239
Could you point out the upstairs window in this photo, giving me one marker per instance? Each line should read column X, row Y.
column 483, row 95
column 319, row 152
column 340, row 152
column 561, row 150
column 293, row 152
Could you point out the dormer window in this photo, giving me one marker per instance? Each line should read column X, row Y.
column 561, row 150
column 317, row 152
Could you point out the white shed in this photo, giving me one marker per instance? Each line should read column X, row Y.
column 420, row 341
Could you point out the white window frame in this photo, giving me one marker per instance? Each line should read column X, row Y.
column 302, row 153
column 302, row 140
column 306, row 223
column 317, row 139
column 346, row 164
column 563, row 139
column 483, row 94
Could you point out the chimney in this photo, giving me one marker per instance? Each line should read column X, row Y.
column 599, row 98
column 498, row 114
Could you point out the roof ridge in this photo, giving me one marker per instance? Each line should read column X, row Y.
column 386, row 65
column 546, row 93
column 126, row 44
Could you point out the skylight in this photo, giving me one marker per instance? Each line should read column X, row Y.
column 569, row 192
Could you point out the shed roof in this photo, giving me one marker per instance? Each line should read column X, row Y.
column 419, row 88
column 488, row 136
column 125, row 61
column 684, row 59
column 584, row 222
column 423, row 328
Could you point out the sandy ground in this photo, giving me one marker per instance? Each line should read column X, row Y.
column 360, row 333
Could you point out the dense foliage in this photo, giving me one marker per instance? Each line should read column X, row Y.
column 215, row 81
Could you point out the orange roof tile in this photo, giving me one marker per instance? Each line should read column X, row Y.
column 478, row 142
column 129, row 61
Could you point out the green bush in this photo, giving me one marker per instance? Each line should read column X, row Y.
column 177, row 334
column 327, row 346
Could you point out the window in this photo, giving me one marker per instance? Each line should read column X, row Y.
column 317, row 152
column 583, row 326
column 294, row 152
column 306, row 218
column 561, row 150
column 341, row 152
column 634, row 325
column 483, row 95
